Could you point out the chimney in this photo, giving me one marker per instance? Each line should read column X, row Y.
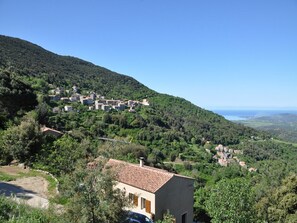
column 141, row 161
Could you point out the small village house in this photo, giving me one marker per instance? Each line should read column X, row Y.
column 65, row 99
column 98, row 105
column 86, row 100
column 105, row 108
column 54, row 97
column 51, row 132
column 145, row 102
column 74, row 97
column 93, row 96
column 68, row 108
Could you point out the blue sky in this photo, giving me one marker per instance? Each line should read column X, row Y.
column 214, row 53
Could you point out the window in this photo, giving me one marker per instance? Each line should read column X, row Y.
column 143, row 203
column 131, row 197
column 146, row 204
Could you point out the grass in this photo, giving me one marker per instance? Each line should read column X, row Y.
column 6, row 177
column 12, row 212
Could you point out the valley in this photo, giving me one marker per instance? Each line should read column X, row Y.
column 282, row 126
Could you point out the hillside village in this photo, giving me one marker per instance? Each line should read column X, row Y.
column 225, row 156
column 93, row 100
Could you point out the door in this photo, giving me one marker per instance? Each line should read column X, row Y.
column 184, row 218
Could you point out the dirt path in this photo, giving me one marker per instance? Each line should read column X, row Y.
column 13, row 170
column 37, row 185
column 30, row 190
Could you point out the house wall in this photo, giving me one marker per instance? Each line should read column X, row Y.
column 177, row 196
column 140, row 193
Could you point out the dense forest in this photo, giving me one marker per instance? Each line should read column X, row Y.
column 171, row 133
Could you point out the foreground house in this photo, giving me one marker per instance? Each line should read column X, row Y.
column 153, row 191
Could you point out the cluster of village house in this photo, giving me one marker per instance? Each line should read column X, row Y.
column 225, row 156
column 93, row 101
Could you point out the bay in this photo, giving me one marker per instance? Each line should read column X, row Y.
column 237, row 115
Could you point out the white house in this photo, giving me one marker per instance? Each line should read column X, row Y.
column 105, row 107
column 145, row 102
column 86, row 100
column 121, row 106
column 68, row 108
column 98, row 105
column 154, row 191
column 74, row 97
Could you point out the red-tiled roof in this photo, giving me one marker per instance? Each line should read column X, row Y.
column 146, row 178
column 46, row 129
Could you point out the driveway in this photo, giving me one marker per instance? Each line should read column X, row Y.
column 28, row 190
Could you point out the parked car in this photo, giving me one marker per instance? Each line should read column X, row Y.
column 134, row 217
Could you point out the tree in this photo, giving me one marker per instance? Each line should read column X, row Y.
column 167, row 218
column 129, row 152
column 42, row 113
column 22, row 142
column 280, row 205
column 200, row 197
column 230, row 201
column 93, row 198
column 63, row 155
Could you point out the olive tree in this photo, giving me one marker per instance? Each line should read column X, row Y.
column 93, row 197
column 22, row 142
column 231, row 201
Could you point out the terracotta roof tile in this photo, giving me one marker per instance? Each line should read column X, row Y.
column 146, row 178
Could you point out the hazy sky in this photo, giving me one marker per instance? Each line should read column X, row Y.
column 215, row 53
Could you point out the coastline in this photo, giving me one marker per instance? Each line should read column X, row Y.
column 239, row 115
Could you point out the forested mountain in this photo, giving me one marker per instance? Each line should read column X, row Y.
column 29, row 60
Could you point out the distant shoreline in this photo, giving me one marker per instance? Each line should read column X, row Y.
column 238, row 115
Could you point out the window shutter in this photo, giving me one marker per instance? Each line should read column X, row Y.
column 147, row 206
column 135, row 200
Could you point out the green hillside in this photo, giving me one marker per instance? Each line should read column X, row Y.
column 170, row 133
column 28, row 60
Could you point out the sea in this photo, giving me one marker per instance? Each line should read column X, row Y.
column 237, row 115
